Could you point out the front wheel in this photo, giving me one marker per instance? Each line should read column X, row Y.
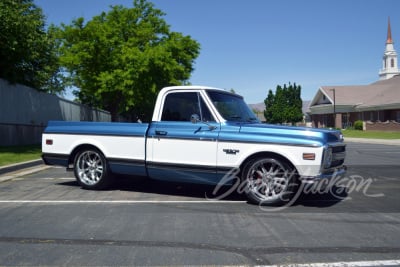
column 91, row 169
column 270, row 181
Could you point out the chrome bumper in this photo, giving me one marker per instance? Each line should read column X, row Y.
column 329, row 174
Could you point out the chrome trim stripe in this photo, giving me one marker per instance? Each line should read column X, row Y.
column 98, row 134
column 121, row 161
column 187, row 167
column 233, row 141
column 183, row 138
column 268, row 143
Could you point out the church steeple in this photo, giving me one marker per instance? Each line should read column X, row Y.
column 389, row 33
column 389, row 62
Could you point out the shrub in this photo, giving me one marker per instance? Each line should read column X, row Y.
column 358, row 125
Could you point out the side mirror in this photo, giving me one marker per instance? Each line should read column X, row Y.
column 195, row 118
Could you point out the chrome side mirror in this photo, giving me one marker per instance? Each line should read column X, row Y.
column 195, row 118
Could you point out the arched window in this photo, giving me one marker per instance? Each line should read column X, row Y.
column 392, row 63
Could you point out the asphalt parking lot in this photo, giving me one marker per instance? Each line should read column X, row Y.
column 47, row 219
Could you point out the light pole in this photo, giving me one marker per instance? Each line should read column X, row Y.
column 334, row 107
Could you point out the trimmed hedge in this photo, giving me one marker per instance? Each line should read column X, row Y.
column 358, row 125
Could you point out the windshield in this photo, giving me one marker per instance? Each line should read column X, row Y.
column 232, row 107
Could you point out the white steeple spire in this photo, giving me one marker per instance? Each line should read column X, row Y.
column 389, row 62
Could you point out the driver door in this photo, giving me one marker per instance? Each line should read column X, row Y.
column 182, row 150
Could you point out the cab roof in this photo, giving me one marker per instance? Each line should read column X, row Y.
column 191, row 87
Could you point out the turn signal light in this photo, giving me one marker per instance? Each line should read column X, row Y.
column 309, row 156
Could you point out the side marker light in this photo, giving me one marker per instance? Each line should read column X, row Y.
column 309, row 156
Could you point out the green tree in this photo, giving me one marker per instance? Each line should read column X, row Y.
column 119, row 60
column 269, row 107
column 27, row 51
column 285, row 105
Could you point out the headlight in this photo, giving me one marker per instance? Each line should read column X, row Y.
column 327, row 158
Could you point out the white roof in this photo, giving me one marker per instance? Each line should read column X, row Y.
column 189, row 87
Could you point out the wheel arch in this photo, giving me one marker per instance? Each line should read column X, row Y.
column 80, row 147
column 266, row 154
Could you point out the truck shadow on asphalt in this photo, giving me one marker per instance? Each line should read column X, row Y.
column 154, row 189
column 324, row 199
column 190, row 190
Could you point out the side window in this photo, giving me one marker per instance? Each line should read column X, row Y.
column 180, row 106
column 205, row 112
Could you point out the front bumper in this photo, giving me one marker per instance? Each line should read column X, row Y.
column 327, row 175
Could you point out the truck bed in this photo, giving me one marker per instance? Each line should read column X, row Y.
column 123, row 144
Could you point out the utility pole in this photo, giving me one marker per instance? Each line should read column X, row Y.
column 334, row 107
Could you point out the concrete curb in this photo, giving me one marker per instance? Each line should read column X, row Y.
column 390, row 142
column 19, row 166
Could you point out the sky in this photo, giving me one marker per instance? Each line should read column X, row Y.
column 252, row 46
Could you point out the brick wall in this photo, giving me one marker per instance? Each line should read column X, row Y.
column 390, row 126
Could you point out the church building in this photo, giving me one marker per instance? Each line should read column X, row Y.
column 377, row 104
column 389, row 62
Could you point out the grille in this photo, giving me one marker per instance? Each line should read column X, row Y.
column 338, row 156
column 338, row 149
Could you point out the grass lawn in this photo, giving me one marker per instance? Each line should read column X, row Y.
column 15, row 154
column 371, row 134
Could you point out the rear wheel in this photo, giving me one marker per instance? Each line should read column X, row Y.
column 270, row 181
column 91, row 169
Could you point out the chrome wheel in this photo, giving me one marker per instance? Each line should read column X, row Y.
column 269, row 181
column 90, row 169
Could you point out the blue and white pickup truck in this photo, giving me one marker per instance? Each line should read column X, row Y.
column 198, row 135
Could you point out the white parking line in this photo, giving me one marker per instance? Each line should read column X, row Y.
column 342, row 264
column 123, row 201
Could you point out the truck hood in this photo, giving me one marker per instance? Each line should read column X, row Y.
column 290, row 134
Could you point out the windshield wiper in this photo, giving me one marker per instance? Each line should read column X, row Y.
column 235, row 117
column 252, row 119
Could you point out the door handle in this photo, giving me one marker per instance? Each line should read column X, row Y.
column 161, row 133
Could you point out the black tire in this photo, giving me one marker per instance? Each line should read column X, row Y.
column 270, row 181
column 91, row 169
